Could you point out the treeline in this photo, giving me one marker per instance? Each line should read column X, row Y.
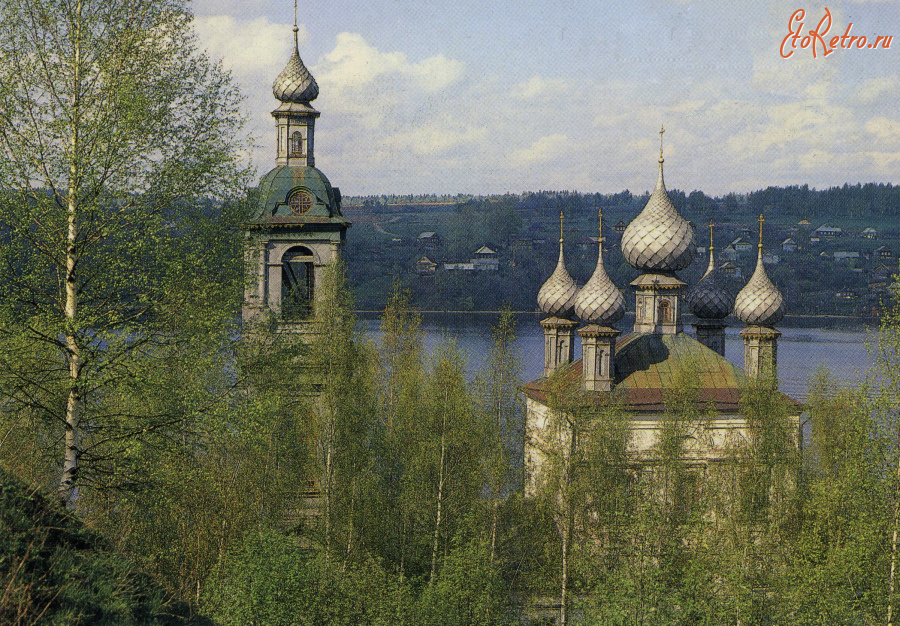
column 847, row 201
column 856, row 201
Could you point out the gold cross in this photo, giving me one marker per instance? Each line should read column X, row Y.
column 761, row 220
column 662, row 129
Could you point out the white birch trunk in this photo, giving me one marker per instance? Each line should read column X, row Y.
column 568, row 530
column 892, row 578
column 440, row 494
column 74, row 402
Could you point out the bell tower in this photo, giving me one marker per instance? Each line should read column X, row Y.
column 296, row 230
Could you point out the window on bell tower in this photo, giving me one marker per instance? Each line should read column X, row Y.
column 295, row 148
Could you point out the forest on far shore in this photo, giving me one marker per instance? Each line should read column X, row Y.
column 523, row 229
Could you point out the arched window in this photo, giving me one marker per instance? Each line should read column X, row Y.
column 295, row 147
column 664, row 312
column 297, row 284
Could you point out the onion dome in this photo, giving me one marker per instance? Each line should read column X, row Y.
column 759, row 303
column 708, row 299
column 659, row 238
column 295, row 83
column 557, row 296
column 600, row 301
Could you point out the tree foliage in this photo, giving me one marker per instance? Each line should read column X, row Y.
column 118, row 145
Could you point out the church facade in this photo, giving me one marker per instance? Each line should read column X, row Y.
column 644, row 364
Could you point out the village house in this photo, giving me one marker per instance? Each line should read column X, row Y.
column 789, row 245
column 730, row 270
column 848, row 256
column 869, row 233
column 742, row 245
column 425, row 266
column 485, row 259
column 827, row 231
column 429, row 240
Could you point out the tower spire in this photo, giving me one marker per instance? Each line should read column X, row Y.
column 296, row 29
column 761, row 220
column 712, row 263
column 662, row 129
column 600, row 224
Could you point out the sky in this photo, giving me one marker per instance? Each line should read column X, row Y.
column 488, row 96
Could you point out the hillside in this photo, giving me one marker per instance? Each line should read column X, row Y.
column 843, row 271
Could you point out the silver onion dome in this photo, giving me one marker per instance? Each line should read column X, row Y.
column 709, row 299
column 659, row 238
column 295, row 83
column 759, row 303
column 600, row 301
column 557, row 296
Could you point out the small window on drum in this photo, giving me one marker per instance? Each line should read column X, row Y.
column 297, row 284
column 300, row 203
column 664, row 312
column 295, row 145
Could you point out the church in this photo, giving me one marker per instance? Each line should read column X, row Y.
column 642, row 365
column 296, row 232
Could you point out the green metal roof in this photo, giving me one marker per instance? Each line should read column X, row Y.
column 645, row 361
column 276, row 187
column 646, row 366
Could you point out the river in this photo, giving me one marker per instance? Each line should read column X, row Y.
column 806, row 344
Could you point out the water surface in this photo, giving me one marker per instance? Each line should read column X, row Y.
column 806, row 344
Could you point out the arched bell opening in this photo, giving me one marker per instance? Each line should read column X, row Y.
column 297, row 284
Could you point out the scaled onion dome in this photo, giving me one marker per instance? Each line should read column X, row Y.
column 659, row 239
column 600, row 301
column 295, row 83
column 557, row 296
column 709, row 299
column 759, row 303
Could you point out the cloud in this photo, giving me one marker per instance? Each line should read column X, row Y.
column 539, row 88
column 247, row 48
column 543, row 150
column 436, row 139
column 875, row 89
column 354, row 64
column 883, row 128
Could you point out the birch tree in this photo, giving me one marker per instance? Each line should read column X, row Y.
column 451, row 445
column 501, row 412
column 113, row 130
column 886, row 412
column 586, row 446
